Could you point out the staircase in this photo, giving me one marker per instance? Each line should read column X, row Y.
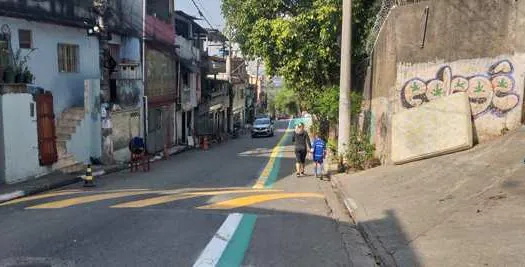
column 65, row 127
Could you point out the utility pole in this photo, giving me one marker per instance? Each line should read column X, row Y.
column 100, row 7
column 257, row 96
column 345, row 78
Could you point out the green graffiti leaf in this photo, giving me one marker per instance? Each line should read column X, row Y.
column 414, row 87
column 503, row 83
column 438, row 91
column 479, row 88
column 460, row 84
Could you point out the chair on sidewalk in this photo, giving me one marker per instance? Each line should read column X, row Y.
column 139, row 155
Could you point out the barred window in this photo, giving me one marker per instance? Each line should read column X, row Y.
column 68, row 58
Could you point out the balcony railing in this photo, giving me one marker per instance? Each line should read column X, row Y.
column 187, row 49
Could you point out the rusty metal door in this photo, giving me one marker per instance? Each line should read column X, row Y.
column 47, row 150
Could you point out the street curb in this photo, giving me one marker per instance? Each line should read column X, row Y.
column 381, row 254
column 72, row 180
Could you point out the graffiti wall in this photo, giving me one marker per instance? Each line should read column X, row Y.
column 494, row 88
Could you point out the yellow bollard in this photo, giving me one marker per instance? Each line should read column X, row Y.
column 88, row 180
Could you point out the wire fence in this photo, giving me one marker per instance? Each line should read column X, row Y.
column 381, row 17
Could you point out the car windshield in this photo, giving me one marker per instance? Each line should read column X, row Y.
column 262, row 121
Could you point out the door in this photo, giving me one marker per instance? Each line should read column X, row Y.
column 155, row 134
column 47, row 150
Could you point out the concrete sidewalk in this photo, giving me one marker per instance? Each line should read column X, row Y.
column 56, row 180
column 463, row 209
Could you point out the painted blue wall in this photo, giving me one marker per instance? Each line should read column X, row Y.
column 67, row 88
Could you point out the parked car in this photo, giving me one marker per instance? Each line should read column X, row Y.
column 283, row 117
column 262, row 127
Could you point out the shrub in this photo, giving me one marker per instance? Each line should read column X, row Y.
column 359, row 151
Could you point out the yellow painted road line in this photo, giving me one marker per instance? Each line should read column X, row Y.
column 268, row 168
column 197, row 190
column 215, row 193
column 251, row 200
column 153, row 201
column 261, row 181
column 36, row 197
column 170, row 198
column 86, row 199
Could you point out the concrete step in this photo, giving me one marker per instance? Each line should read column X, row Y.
column 65, row 130
column 63, row 137
column 64, row 161
column 72, row 116
column 75, row 110
column 67, row 123
column 77, row 167
column 61, row 148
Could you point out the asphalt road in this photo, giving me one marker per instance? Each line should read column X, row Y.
column 237, row 204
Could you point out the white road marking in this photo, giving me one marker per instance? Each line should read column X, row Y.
column 211, row 255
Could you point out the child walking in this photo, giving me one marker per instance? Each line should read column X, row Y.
column 319, row 153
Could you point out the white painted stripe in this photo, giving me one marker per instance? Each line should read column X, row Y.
column 12, row 195
column 211, row 255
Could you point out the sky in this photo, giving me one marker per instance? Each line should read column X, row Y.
column 210, row 8
column 212, row 11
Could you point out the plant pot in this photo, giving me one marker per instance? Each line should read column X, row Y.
column 9, row 75
column 28, row 77
column 19, row 77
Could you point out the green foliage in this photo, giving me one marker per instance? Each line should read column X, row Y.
column 285, row 101
column 298, row 40
column 326, row 104
column 359, row 151
column 331, row 145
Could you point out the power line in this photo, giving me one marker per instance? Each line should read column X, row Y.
column 202, row 15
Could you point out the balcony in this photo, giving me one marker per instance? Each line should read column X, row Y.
column 160, row 30
column 187, row 50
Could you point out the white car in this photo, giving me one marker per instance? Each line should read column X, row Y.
column 262, row 127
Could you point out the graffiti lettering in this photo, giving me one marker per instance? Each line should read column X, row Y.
column 491, row 92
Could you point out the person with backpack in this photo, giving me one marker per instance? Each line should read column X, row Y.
column 319, row 154
column 302, row 146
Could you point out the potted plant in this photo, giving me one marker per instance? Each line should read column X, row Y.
column 27, row 76
column 19, row 62
column 9, row 74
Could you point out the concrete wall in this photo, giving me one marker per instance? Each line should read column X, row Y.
column 67, row 88
column 470, row 43
column 19, row 145
column 126, row 124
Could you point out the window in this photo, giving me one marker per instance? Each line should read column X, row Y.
column 67, row 58
column 24, row 39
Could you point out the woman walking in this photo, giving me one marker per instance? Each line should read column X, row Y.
column 302, row 146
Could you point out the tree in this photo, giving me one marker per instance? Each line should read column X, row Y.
column 285, row 101
column 298, row 39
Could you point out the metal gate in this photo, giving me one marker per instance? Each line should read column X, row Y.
column 47, row 150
